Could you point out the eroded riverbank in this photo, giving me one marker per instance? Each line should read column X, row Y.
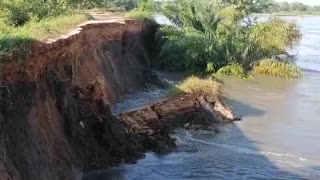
column 55, row 105
column 55, row 117
column 277, row 138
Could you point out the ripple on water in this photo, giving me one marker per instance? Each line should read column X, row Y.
column 136, row 100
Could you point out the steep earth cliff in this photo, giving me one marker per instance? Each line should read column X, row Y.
column 55, row 117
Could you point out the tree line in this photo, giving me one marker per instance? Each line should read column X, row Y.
column 272, row 6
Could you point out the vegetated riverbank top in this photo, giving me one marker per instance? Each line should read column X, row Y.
column 24, row 22
column 227, row 47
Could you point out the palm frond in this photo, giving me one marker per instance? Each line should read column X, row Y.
column 278, row 69
column 233, row 70
column 209, row 35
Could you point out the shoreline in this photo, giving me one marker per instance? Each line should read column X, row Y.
column 296, row 15
column 310, row 70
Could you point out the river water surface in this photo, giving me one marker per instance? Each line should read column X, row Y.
column 278, row 138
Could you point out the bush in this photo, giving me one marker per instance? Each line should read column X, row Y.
column 107, row 4
column 278, row 69
column 138, row 14
column 13, row 14
column 207, row 36
column 23, row 22
column 18, row 39
column 195, row 85
column 143, row 11
column 17, row 13
column 232, row 70
column 275, row 36
column 184, row 50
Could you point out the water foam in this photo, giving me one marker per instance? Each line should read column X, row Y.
column 244, row 150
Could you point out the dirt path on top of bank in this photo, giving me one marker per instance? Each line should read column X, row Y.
column 107, row 17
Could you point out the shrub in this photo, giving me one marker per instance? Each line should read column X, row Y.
column 143, row 11
column 17, row 13
column 208, row 35
column 13, row 14
column 232, row 70
column 107, row 4
column 278, row 69
column 185, row 50
column 275, row 36
column 138, row 14
column 195, row 85
column 18, row 39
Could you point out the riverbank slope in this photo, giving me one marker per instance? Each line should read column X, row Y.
column 59, row 88
column 55, row 116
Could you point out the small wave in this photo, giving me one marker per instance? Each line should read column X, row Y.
column 138, row 99
column 310, row 70
column 249, row 151
column 283, row 155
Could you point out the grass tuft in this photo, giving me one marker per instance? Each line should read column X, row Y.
column 18, row 39
column 278, row 69
column 139, row 14
column 232, row 70
column 196, row 85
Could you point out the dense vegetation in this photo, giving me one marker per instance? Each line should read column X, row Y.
column 209, row 35
column 198, row 86
column 23, row 22
column 144, row 10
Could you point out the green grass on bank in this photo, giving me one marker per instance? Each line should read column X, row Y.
column 18, row 39
column 277, row 69
column 23, row 22
column 232, row 70
column 138, row 14
column 198, row 86
column 270, row 67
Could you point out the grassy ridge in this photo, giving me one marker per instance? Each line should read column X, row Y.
column 198, row 86
column 137, row 14
column 278, row 69
column 17, row 39
column 23, row 22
